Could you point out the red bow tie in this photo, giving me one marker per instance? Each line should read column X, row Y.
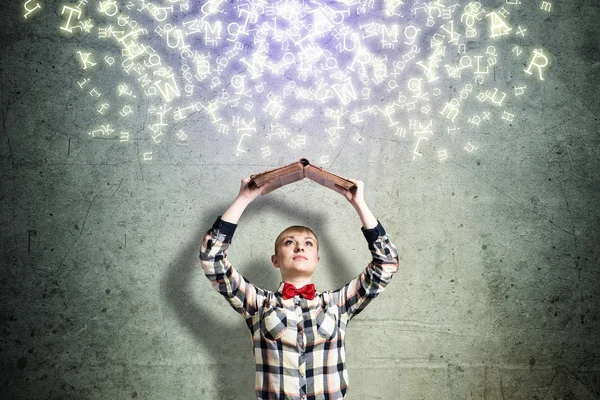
column 306, row 291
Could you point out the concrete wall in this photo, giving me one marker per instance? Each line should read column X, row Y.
column 102, row 295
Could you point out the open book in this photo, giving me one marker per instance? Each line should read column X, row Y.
column 275, row 178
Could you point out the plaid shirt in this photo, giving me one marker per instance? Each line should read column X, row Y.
column 298, row 343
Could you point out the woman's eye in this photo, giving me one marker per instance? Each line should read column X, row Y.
column 309, row 243
column 289, row 242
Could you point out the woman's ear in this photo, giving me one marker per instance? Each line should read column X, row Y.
column 275, row 261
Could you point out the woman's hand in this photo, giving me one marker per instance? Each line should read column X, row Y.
column 355, row 196
column 248, row 192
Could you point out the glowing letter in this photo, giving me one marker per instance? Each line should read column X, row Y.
column 85, row 59
column 470, row 148
column 508, row 116
column 359, row 139
column 411, row 37
column 156, row 137
column 416, row 152
column 95, row 93
column 144, row 80
column 108, row 7
column 476, row 120
column 224, row 129
column 212, row 109
column 443, row 154
column 301, row 140
column 30, row 10
column 124, row 90
column 425, row 129
column 67, row 27
column 499, row 26
column 274, row 108
column 265, row 151
column 103, row 107
column 362, row 57
column 494, row 96
column 104, row 131
column 238, row 149
column 546, row 6
column 391, row 6
column 452, row 108
column 169, row 90
column 520, row 90
column 126, row 111
column 83, row 83
column 453, row 35
column 181, row 135
column 538, row 55
column 256, row 67
column 503, row 12
column 517, row 50
column 429, row 69
column 389, row 36
column 345, row 91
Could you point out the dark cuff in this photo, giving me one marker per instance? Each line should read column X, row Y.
column 224, row 227
column 373, row 233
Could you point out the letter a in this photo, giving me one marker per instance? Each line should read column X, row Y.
column 499, row 26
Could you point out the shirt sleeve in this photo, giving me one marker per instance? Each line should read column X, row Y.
column 243, row 296
column 356, row 295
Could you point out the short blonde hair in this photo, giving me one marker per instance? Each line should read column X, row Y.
column 294, row 229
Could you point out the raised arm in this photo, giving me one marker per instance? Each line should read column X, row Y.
column 356, row 197
column 241, row 294
column 243, row 199
column 355, row 296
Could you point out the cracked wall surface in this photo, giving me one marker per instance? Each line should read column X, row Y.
column 497, row 296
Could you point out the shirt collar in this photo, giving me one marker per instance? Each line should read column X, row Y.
column 280, row 289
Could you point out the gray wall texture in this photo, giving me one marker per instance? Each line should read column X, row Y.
column 105, row 196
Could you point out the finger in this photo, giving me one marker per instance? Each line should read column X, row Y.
column 249, row 183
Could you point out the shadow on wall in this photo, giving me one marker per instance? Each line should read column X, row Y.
column 234, row 374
